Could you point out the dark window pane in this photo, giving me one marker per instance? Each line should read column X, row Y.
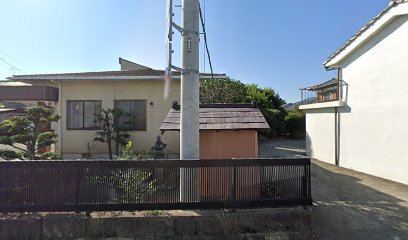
column 125, row 107
column 134, row 114
column 138, row 114
column 91, row 109
column 75, row 114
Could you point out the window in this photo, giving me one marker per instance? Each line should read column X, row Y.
column 135, row 114
column 82, row 114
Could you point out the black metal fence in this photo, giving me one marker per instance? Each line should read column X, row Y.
column 34, row 186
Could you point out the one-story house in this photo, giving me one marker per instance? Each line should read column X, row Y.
column 136, row 89
column 359, row 120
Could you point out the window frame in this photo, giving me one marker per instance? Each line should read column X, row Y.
column 83, row 115
column 145, row 114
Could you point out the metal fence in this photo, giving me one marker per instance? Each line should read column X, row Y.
column 35, row 186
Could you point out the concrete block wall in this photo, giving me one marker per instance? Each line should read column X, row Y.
column 244, row 224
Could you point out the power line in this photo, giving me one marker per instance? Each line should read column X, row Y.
column 205, row 41
column 11, row 65
column 204, row 55
column 15, row 60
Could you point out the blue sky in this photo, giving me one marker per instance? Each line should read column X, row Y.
column 278, row 44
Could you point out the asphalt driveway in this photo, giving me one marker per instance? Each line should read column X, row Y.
column 353, row 205
column 282, row 148
column 349, row 204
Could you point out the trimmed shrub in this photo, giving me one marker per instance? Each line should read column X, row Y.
column 295, row 123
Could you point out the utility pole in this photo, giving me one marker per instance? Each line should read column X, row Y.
column 189, row 119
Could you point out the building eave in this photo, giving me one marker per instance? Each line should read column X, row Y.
column 91, row 78
column 372, row 28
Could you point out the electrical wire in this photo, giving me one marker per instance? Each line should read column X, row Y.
column 15, row 60
column 11, row 65
column 204, row 55
column 205, row 41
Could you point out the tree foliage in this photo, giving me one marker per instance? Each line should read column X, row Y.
column 222, row 91
column 112, row 129
column 29, row 130
column 295, row 124
column 267, row 100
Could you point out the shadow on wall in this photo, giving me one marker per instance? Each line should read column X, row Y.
column 309, row 145
column 346, row 208
column 344, row 91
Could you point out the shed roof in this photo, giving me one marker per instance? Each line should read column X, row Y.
column 220, row 117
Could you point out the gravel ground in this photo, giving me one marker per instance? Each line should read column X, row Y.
column 282, row 148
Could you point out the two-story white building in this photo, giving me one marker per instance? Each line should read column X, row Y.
column 360, row 119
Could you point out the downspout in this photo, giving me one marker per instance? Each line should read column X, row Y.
column 336, row 135
column 59, row 146
column 337, row 122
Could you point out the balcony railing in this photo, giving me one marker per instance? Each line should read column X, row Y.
column 325, row 92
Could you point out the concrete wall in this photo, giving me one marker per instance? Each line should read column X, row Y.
column 373, row 126
column 320, row 134
column 244, row 224
column 74, row 142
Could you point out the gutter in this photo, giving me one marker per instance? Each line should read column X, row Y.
column 56, row 78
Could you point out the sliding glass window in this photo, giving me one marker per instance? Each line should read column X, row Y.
column 134, row 118
column 82, row 114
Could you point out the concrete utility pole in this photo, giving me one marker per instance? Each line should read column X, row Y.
column 189, row 122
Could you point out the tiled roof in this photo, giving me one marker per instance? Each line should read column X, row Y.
column 220, row 117
column 365, row 28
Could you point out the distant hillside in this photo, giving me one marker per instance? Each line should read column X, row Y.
column 294, row 106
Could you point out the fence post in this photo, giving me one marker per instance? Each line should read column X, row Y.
column 304, row 187
column 77, row 190
column 234, row 184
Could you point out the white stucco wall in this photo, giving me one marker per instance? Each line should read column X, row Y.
column 373, row 133
column 374, row 129
column 320, row 134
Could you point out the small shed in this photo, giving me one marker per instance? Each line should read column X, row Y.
column 226, row 130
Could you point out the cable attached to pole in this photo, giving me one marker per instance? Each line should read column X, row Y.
column 205, row 41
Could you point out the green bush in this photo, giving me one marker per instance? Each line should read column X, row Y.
column 50, row 156
column 9, row 155
column 295, row 123
column 222, row 91
column 127, row 153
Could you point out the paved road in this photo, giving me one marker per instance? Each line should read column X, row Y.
column 282, row 148
column 348, row 204
column 352, row 205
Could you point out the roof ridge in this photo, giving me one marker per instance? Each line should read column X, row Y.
column 392, row 4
